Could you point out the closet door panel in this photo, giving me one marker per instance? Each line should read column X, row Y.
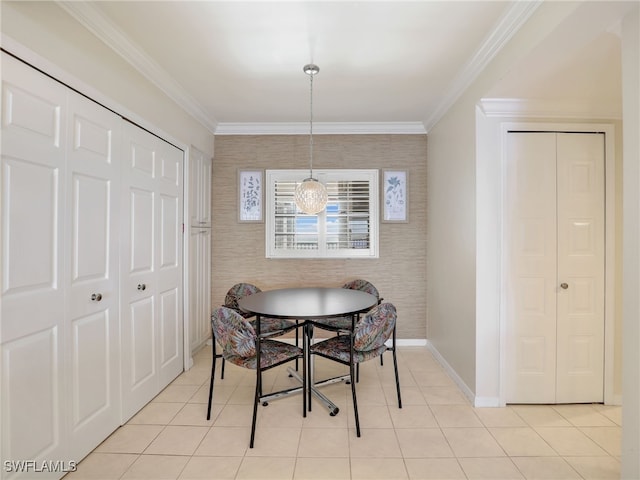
column 31, row 393
column 91, row 223
column 93, row 331
column 142, row 153
column 142, row 230
column 91, row 348
column 200, row 286
column 31, row 238
column 138, row 282
column 169, row 275
column 152, row 274
column 581, row 253
column 142, row 346
column 199, row 189
column 169, row 334
column 199, row 248
column 169, row 315
column 139, row 325
column 194, row 288
column 531, row 258
column 32, row 311
column 33, row 113
column 170, row 232
column 205, row 197
column 33, row 166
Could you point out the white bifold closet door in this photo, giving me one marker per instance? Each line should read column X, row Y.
column 200, row 167
column 151, row 267
column 93, row 331
column 59, row 311
column 555, row 255
column 199, row 287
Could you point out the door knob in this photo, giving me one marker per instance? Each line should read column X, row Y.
column 141, row 286
column 96, row 297
column 564, row 286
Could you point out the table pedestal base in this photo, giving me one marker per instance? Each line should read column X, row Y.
column 332, row 407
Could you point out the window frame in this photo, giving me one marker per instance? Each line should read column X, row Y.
column 324, row 176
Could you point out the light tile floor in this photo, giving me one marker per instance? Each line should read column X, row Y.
column 436, row 435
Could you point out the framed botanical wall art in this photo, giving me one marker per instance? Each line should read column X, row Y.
column 250, row 195
column 395, row 196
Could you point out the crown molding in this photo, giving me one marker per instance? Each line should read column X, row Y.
column 527, row 108
column 94, row 21
column 509, row 24
column 322, row 128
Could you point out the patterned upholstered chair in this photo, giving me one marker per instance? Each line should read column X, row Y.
column 344, row 323
column 365, row 342
column 241, row 346
column 268, row 326
column 362, row 285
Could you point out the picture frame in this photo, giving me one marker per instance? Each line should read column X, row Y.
column 395, row 196
column 250, row 196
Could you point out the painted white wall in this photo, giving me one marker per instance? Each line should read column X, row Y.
column 630, row 467
column 451, row 237
column 489, row 250
column 54, row 36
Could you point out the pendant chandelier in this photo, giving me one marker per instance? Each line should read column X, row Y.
column 311, row 195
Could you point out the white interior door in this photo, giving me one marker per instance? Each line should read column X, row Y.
column 33, row 222
column 555, row 239
column 531, row 257
column 151, row 285
column 581, row 250
column 93, row 330
column 200, row 287
column 169, row 260
column 199, row 249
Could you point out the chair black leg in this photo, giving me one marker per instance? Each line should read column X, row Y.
column 297, row 344
column 308, row 335
column 395, row 367
column 355, row 401
column 213, row 372
column 222, row 369
column 256, row 400
column 304, row 384
column 381, row 360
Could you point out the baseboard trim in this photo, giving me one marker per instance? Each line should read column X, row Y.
column 466, row 391
column 490, row 402
column 411, row 342
column 615, row 400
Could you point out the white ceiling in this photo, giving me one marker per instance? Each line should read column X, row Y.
column 237, row 66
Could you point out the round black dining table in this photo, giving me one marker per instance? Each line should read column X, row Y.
column 309, row 304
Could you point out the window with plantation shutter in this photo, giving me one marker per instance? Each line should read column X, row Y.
column 346, row 228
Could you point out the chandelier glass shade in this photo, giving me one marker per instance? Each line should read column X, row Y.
column 311, row 195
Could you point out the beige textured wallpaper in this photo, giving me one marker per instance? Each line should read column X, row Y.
column 238, row 249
